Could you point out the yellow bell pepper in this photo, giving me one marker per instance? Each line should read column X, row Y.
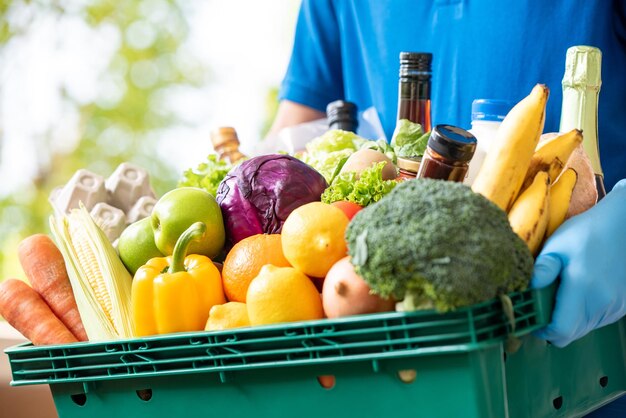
column 176, row 293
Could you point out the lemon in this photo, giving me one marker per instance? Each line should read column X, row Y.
column 282, row 294
column 227, row 316
column 313, row 238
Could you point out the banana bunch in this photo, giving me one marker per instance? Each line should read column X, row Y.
column 524, row 177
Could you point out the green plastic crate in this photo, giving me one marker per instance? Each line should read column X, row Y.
column 546, row 381
column 451, row 365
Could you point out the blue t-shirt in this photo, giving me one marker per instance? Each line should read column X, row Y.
column 348, row 49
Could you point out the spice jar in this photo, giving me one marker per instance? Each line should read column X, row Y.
column 408, row 167
column 448, row 154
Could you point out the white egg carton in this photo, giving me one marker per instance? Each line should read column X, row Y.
column 115, row 202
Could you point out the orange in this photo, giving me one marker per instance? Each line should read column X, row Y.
column 227, row 316
column 244, row 261
column 313, row 238
column 282, row 294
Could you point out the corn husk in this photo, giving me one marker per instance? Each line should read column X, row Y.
column 100, row 282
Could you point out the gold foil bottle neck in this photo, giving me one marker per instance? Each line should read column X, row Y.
column 583, row 66
column 224, row 135
column 226, row 144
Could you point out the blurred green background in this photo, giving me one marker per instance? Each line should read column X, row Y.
column 128, row 81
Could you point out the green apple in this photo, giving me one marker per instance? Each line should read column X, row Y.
column 136, row 245
column 177, row 210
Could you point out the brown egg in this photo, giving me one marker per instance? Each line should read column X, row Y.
column 365, row 158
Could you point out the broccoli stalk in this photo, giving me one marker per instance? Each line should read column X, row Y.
column 437, row 244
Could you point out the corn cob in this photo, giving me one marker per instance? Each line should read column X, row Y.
column 92, row 272
column 100, row 282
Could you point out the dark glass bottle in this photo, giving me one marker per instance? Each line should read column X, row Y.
column 342, row 115
column 414, row 88
column 448, row 154
column 226, row 144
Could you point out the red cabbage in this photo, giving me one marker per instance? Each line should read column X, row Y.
column 257, row 196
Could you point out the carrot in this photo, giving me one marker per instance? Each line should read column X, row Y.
column 28, row 313
column 45, row 269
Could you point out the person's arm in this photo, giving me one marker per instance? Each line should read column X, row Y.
column 291, row 113
column 588, row 254
column 314, row 77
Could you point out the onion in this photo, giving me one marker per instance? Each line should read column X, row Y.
column 345, row 293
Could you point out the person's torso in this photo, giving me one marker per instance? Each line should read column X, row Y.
column 486, row 49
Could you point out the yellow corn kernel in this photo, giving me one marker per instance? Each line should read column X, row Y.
column 93, row 273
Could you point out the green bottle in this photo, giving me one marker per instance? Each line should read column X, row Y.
column 581, row 87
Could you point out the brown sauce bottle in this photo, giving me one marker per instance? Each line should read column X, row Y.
column 414, row 88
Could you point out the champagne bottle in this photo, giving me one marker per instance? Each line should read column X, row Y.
column 581, row 88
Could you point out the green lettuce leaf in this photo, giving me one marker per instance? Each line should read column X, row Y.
column 328, row 153
column 327, row 164
column 383, row 146
column 364, row 190
column 335, row 140
column 408, row 139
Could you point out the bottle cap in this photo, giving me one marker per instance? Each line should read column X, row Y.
column 409, row 163
column 415, row 64
column 452, row 143
column 490, row 109
column 223, row 135
column 583, row 66
column 342, row 112
column 421, row 60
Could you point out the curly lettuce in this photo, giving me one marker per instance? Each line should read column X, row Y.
column 363, row 189
column 207, row 175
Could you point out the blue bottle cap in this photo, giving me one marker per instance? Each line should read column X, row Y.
column 490, row 109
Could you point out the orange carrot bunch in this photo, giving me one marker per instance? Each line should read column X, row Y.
column 47, row 312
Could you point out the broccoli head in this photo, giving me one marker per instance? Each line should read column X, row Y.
column 437, row 244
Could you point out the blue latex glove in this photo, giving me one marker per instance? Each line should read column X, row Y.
column 588, row 252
